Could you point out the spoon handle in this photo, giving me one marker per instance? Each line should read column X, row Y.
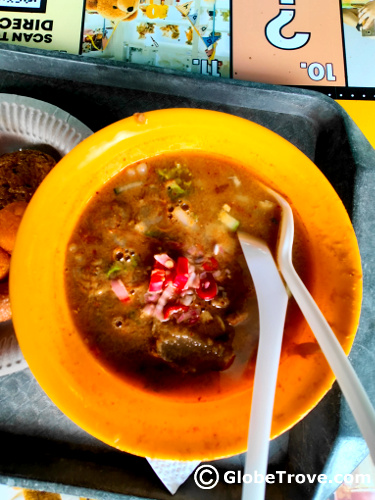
column 272, row 304
column 347, row 378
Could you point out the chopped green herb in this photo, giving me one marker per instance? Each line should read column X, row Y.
column 134, row 261
column 172, row 173
column 160, row 235
column 165, row 174
column 155, row 233
column 115, row 268
column 174, row 190
column 178, row 180
column 123, row 267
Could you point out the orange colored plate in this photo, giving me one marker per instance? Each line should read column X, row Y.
column 108, row 407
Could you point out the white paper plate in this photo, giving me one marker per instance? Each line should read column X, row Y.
column 27, row 122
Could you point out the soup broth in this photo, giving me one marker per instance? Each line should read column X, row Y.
column 156, row 280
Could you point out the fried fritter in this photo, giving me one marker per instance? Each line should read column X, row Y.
column 10, row 219
column 5, row 311
column 21, row 172
column 4, row 263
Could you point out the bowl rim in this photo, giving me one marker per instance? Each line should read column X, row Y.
column 113, row 411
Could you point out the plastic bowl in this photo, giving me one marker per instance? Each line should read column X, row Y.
column 107, row 406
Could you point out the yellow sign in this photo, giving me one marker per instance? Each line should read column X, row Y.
column 156, row 11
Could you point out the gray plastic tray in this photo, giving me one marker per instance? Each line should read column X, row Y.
column 40, row 447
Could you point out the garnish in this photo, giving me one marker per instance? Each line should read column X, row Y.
column 120, row 290
column 176, row 285
column 115, row 268
column 177, row 180
column 230, row 222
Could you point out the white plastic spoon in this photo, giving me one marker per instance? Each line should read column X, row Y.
column 272, row 303
column 347, row 378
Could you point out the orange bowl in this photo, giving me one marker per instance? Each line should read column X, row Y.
column 107, row 406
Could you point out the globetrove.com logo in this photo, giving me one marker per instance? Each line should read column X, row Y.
column 207, row 476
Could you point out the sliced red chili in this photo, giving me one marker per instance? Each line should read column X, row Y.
column 208, row 288
column 174, row 309
column 182, row 273
column 169, row 276
column 157, row 280
column 182, row 265
column 211, row 265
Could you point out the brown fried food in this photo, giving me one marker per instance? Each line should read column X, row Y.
column 40, row 495
column 4, row 263
column 10, row 219
column 5, row 312
column 21, row 172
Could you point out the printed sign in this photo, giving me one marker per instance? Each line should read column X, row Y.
column 289, row 42
column 325, row 44
column 42, row 24
column 23, row 5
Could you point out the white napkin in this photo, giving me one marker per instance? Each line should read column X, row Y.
column 172, row 473
column 11, row 359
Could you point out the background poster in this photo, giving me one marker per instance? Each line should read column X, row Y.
column 288, row 42
column 359, row 43
column 192, row 36
column 327, row 43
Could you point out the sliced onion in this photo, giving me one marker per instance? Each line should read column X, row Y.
column 192, row 316
column 193, row 281
column 164, row 260
column 151, row 297
column 166, row 296
column 187, row 300
column 149, row 309
column 183, row 217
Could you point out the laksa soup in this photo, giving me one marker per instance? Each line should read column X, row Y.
column 156, row 280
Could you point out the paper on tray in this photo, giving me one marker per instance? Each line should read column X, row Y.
column 173, row 473
column 11, row 359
